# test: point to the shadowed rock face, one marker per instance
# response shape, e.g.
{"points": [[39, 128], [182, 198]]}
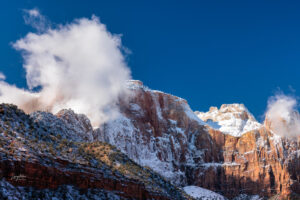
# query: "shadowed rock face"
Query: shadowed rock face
{"points": [[160, 131], [256, 163]]}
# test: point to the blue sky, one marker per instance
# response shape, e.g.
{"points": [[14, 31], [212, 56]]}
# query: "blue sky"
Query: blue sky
{"points": [[208, 52]]}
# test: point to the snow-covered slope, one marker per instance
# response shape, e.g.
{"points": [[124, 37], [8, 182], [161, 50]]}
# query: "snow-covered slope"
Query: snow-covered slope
{"points": [[232, 119], [203, 194]]}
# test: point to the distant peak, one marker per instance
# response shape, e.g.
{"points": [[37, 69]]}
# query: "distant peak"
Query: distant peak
{"points": [[233, 119]]}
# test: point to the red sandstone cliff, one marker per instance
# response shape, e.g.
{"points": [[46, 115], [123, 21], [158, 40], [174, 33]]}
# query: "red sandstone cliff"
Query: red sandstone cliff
{"points": [[160, 131]]}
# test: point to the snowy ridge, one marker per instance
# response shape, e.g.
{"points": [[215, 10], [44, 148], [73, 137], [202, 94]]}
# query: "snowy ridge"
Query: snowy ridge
{"points": [[66, 123], [232, 119]]}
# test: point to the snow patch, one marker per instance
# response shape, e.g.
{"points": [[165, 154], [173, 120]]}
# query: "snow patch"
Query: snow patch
{"points": [[203, 194]]}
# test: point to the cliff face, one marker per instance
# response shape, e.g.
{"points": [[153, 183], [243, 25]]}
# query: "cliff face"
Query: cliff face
{"points": [[226, 151], [258, 162], [160, 131]]}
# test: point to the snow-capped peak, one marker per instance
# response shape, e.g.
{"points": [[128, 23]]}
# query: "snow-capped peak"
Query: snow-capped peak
{"points": [[232, 119]]}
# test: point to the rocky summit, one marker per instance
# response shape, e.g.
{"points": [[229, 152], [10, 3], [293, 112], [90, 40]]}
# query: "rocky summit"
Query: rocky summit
{"points": [[156, 148]]}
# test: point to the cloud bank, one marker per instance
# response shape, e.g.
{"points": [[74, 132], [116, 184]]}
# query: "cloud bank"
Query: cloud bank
{"points": [[79, 65], [282, 115]]}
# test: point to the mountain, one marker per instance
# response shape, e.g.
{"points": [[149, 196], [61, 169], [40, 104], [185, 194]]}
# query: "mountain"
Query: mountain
{"points": [[156, 148], [225, 150]]}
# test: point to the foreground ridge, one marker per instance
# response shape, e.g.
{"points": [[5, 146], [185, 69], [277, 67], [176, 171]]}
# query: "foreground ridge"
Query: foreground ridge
{"points": [[55, 156]]}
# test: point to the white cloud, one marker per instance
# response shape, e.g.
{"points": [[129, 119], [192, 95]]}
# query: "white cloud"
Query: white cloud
{"points": [[2, 76], [34, 18], [283, 116], [34, 12], [77, 65]]}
